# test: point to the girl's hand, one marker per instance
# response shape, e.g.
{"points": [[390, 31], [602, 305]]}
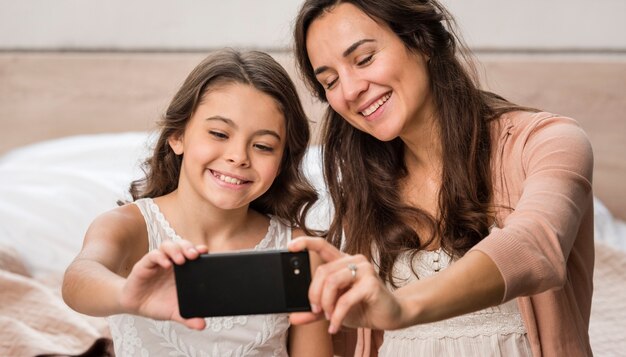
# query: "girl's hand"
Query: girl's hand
{"points": [[347, 290], [150, 289]]}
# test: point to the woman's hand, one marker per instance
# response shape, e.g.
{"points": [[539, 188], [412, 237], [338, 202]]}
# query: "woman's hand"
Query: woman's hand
{"points": [[347, 290], [150, 289]]}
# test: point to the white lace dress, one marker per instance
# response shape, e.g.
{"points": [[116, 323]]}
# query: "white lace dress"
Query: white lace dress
{"points": [[495, 331], [232, 336]]}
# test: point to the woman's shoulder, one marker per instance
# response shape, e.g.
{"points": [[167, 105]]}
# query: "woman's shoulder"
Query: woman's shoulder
{"points": [[520, 122]]}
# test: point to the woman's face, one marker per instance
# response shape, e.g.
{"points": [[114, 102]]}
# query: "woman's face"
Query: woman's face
{"points": [[372, 80]]}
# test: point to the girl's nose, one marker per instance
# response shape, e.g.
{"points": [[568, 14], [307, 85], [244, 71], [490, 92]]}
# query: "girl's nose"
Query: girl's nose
{"points": [[238, 156]]}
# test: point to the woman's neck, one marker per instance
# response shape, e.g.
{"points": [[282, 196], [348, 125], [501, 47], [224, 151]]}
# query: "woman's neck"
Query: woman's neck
{"points": [[422, 142]]}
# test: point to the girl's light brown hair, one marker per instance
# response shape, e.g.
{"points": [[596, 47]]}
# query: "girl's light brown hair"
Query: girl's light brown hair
{"points": [[290, 195], [363, 174]]}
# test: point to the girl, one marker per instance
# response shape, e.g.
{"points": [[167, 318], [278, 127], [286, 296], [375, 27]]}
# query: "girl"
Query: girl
{"points": [[225, 175], [468, 219]]}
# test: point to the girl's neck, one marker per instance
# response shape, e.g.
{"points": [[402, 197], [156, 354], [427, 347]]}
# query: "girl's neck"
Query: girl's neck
{"points": [[218, 229]]}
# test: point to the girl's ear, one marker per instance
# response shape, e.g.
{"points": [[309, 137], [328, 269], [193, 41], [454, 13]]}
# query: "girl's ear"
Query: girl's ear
{"points": [[176, 143]]}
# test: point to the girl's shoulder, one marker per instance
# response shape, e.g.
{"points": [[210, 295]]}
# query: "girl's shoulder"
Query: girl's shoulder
{"points": [[121, 222]]}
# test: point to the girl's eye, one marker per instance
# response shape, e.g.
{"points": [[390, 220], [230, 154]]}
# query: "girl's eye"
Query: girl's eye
{"points": [[264, 147], [365, 60], [218, 134]]}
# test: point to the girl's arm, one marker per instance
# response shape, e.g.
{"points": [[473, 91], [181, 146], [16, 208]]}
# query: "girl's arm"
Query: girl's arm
{"points": [[114, 242], [114, 272], [310, 339]]}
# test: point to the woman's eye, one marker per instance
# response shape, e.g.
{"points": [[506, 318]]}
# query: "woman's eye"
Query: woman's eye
{"points": [[365, 60], [218, 135], [330, 84]]}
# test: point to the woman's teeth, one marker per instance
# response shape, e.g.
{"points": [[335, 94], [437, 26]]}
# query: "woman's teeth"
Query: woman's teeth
{"points": [[372, 108]]}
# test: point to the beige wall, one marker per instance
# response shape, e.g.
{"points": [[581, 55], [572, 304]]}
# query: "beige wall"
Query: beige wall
{"points": [[206, 24]]}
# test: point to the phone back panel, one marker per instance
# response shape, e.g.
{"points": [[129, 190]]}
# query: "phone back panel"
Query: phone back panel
{"points": [[243, 283]]}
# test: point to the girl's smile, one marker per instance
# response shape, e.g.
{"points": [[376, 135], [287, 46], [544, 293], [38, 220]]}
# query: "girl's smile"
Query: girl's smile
{"points": [[232, 147]]}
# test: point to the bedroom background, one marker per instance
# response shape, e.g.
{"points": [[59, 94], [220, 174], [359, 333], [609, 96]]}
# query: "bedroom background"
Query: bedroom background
{"points": [[82, 83]]}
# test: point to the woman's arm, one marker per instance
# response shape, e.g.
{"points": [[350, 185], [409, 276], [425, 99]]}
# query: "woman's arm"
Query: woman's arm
{"points": [[472, 283]]}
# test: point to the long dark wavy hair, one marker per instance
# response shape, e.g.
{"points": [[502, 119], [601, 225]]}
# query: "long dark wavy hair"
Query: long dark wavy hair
{"points": [[363, 174], [290, 196]]}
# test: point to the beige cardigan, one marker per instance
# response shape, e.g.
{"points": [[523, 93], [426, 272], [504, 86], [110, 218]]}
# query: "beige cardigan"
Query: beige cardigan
{"points": [[543, 246]]}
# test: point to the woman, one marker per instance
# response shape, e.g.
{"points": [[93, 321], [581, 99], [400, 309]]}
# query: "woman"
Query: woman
{"points": [[467, 219]]}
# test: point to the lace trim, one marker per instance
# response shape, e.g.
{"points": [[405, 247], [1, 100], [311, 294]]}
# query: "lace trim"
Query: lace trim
{"points": [[503, 319], [165, 225], [272, 231], [217, 324], [171, 233], [489, 322]]}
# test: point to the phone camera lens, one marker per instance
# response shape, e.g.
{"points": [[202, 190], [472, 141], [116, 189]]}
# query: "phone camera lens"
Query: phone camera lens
{"points": [[295, 262]]}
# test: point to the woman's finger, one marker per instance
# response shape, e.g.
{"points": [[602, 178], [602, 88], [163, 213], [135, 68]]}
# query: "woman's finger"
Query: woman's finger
{"points": [[325, 250], [343, 276]]}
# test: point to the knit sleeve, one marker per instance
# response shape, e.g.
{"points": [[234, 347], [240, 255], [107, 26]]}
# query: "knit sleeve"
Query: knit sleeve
{"points": [[554, 161]]}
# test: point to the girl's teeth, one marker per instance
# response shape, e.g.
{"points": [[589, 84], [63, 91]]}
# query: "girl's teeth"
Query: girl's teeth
{"points": [[231, 180]]}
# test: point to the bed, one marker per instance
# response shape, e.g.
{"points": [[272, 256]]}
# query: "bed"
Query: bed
{"points": [[54, 181]]}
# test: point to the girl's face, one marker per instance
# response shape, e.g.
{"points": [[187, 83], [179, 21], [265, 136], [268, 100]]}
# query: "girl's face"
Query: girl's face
{"points": [[372, 80], [232, 145]]}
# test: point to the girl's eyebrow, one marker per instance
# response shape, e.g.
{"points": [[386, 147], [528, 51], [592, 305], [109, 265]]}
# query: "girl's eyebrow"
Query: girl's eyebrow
{"points": [[346, 53], [231, 123]]}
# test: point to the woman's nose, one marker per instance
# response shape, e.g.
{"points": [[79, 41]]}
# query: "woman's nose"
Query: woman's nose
{"points": [[352, 86]]}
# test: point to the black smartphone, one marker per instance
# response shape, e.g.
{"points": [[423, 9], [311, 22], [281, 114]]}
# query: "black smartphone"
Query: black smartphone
{"points": [[243, 283]]}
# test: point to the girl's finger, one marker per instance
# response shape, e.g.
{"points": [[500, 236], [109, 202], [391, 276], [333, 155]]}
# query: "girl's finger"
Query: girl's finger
{"points": [[174, 251], [188, 249], [155, 258], [300, 318], [202, 249], [195, 323]]}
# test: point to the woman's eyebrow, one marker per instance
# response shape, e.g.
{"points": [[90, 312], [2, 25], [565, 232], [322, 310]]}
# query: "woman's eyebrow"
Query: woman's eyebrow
{"points": [[346, 53], [356, 45]]}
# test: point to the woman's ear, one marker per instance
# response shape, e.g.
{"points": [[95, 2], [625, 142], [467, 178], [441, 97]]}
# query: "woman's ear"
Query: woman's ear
{"points": [[176, 143]]}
